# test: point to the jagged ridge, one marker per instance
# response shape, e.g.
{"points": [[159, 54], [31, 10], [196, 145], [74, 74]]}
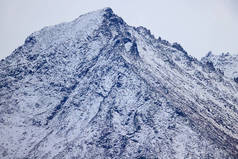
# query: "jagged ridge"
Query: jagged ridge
{"points": [[99, 88]]}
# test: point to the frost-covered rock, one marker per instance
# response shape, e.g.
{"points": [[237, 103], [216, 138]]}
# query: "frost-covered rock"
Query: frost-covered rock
{"points": [[99, 88], [226, 63]]}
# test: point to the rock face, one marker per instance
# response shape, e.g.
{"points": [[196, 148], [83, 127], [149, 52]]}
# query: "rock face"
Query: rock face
{"points": [[226, 63], [99, 88]]}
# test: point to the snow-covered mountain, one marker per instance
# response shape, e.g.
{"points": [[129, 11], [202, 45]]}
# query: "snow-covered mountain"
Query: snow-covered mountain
{"points": [[226, 63], [99, 88]]}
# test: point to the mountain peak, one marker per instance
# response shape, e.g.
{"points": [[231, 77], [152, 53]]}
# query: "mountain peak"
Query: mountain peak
{"points": [[99, 88], [108, 10], [225, 62], [78, 29]]}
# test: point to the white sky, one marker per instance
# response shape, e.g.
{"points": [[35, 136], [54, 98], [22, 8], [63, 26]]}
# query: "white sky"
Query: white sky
{"points": [[198, 25]]}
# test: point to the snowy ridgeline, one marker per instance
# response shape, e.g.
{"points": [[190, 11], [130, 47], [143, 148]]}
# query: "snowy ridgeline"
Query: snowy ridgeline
{"points": [[226, 63], [99, 88]]}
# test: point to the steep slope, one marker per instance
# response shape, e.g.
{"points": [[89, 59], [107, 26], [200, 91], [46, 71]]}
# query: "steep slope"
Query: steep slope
{"points": [[98, 88]]}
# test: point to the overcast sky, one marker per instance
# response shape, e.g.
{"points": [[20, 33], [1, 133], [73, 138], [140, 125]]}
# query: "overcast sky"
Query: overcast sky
{"points": [[198, 25]]}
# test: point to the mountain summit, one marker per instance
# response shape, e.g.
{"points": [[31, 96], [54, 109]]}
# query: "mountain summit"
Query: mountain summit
{"points": [[99, 88]]}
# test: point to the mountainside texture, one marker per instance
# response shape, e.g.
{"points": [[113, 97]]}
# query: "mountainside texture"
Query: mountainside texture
{"points": [[226, 63], [99, 88]]}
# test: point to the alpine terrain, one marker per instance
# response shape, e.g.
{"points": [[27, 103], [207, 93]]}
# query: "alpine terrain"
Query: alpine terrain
{"points": [[98, 88]]}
